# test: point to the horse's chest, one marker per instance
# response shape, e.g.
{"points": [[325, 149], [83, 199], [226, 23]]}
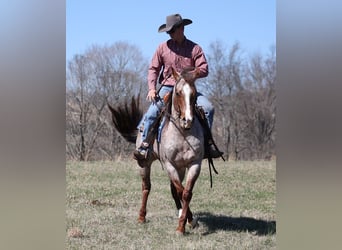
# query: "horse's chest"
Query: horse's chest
{"points": [[189, 148], [182, 146]]}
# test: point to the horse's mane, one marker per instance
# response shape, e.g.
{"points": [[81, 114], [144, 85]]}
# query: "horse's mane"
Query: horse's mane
{"points": [[185, 71], [168, 107]]}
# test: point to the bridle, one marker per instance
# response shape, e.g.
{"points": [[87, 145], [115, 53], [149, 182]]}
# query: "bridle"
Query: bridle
{"points": [[176, 105]]}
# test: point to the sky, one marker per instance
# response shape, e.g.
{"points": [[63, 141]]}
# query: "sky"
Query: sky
{"points": [[251, 23]]}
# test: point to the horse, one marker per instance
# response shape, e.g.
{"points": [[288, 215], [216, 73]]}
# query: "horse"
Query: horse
{"points": [[180, 147]]}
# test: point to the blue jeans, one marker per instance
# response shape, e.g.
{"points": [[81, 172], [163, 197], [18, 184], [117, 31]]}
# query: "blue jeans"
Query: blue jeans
{"points": [[154, 110]]}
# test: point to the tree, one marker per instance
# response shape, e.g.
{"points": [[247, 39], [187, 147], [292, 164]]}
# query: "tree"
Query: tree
{"points": [[223, 82], [243, 93], [260, 110], [103, 74]]}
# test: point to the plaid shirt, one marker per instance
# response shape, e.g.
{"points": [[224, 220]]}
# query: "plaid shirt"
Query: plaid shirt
{"points": [[170, 54]]}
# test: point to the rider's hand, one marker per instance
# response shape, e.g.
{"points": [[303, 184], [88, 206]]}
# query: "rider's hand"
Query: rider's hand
{"points": [[151, 96]]}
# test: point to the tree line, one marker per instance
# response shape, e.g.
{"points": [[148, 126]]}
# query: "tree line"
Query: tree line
{"points": [[241, 88]]}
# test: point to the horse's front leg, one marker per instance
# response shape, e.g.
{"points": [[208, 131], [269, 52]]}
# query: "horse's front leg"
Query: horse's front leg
{"points": [[146, 187], [176, 197], [193, 174]]}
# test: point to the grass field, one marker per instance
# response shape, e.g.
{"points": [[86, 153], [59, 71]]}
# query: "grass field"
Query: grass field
{"points": [[103, 200]]}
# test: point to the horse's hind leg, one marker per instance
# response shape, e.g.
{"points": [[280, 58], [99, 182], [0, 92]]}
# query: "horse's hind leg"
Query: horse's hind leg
{"points": [[146, 187]]}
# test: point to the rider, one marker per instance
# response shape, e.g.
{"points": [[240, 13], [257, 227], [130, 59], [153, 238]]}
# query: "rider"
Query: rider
{"points": [[179, 53]]}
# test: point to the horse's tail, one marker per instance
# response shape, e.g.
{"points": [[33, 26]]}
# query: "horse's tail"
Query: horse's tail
{"points": [[126, 118]]}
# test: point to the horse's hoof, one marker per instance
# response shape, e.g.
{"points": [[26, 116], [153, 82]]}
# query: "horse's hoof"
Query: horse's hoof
{"points": [[141, 220], [179, 232], [194, 223]]}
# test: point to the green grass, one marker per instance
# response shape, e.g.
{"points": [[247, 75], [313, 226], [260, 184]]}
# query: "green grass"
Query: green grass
{"points": [[103, 200]]}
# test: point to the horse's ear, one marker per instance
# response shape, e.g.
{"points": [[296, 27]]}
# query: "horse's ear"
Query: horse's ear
{"points": [[175, 74]]}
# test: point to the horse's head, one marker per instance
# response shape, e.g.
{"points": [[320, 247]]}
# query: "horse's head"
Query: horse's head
{"points": [[184, 98]]}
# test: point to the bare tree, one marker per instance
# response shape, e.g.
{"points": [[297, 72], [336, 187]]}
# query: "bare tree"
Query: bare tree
{"points": [[78, 105], [242, 92], [101, 75], [223, 82], [255, 109], [261, 108]]}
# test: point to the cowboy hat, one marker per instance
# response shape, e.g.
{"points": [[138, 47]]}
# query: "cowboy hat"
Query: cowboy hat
{"points": [[172, 21]]}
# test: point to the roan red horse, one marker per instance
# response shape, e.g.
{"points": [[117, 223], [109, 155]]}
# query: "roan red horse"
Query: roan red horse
{"points": [[180, 148]]}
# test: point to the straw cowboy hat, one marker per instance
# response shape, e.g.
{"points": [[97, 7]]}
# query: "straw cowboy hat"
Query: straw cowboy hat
{"points": [[172, 21]]}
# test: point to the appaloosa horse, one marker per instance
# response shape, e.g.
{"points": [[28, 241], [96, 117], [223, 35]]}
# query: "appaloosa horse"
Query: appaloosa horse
{"points": [[180, 148]]}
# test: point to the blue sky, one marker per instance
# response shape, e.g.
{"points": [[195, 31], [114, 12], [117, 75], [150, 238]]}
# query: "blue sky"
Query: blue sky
{"points": [[251, 23]]}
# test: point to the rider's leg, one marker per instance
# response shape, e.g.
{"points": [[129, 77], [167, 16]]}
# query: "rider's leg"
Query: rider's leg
{"points": [[148, 124], [208, 108], [209, 111]]}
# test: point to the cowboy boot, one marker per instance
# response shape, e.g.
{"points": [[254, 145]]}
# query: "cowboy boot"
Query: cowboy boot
{"points": [[210, 150], [142, 152]]}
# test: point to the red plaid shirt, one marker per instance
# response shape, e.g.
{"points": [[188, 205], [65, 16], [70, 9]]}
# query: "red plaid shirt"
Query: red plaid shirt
{"points": [[170, 54]]}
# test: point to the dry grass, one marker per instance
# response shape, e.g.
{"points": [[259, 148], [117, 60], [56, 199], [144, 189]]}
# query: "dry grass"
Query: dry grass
{"points": [[103, 199]]}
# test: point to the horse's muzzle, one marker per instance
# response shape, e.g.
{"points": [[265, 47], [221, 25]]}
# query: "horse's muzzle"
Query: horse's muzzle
{"points": [[186, 123]]}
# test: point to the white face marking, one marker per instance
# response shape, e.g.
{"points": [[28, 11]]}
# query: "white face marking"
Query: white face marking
{"points": [[187, 95]]}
